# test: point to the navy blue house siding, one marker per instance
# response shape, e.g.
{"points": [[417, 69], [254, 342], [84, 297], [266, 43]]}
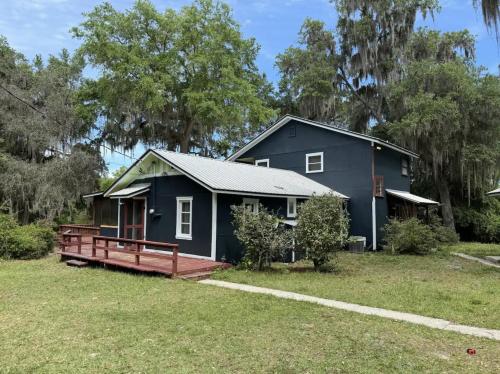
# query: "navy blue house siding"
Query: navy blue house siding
{"points": [[228, 247], [161, 225], [388, 164], [347, 164]]}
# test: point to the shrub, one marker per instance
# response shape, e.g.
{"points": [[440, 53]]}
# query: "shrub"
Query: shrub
{"points": [[412, 236], [479, 222], [322, 228], [24, 242], [409, 237], [260, 234]]}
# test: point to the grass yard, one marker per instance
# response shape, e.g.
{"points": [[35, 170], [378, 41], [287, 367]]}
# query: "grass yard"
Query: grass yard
{"points": [[475, 249], [59, 319], [437, 285]]}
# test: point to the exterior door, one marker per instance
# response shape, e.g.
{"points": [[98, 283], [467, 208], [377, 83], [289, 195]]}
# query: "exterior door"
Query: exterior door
{"points": [[133, 219]]}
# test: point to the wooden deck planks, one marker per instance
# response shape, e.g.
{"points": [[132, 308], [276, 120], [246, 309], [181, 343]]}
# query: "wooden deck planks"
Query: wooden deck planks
{"points": [[185, 265]]}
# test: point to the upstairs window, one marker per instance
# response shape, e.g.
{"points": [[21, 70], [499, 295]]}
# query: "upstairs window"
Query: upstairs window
{"points": [[291, 210], [251, 204], [264, 162], [184, 218], [404, 166], [314, 162], [378, 186]]}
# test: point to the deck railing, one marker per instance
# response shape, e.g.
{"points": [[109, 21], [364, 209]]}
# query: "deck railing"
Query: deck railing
{"points": [[80, 229], [135, 248], [132, 247]]}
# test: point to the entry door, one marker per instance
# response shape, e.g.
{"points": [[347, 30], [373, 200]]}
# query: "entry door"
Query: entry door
{"points": [[134, 219]]}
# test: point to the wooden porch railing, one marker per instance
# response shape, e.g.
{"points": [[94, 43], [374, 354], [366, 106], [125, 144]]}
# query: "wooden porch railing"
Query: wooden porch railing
{"points": [[80, 229], [135, 248]]}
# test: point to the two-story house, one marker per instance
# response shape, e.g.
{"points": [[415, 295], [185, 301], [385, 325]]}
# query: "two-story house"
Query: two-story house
{"points": [[171, 197]]}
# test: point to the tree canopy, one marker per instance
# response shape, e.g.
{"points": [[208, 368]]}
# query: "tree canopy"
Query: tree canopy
{"points": [[184, 79], [44, 165]]}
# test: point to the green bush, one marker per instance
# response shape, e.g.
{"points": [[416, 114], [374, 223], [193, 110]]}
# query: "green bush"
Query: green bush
{"points": [[479, 222], [24, 242], [260, 234], [322, 228], [409, 237], [412, 236]]}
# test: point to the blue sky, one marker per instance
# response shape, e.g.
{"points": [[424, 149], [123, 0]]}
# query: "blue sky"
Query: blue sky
{"points": [[41, 26]]}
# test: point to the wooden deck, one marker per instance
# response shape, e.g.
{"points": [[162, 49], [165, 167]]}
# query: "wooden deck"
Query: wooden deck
{"points": [[107, 253]]}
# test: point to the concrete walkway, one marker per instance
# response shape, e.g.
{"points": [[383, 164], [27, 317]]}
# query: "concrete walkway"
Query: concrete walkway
{"points": [[472, 258], [434, 323]]}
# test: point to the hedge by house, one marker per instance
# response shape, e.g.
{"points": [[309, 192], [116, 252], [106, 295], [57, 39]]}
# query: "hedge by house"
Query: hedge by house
{"points": [[24, 242], [412, 236]]}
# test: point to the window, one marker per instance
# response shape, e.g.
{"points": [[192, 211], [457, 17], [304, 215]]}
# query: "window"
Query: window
{"points": [[291, 210], [251, 204], [184, 218], [314, 162], [264, 162], [404, 166], [378, 186]]}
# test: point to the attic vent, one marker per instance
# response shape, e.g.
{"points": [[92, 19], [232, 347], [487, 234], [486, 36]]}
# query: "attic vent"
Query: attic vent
{"points": [[292, 131]]}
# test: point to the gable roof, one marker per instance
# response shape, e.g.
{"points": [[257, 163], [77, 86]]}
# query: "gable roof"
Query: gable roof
{"points": [[287, 118], [227, 176], [236, 178]]}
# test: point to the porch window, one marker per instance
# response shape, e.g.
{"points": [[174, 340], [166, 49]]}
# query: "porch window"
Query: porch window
{"points": [[184, 218], [404, 166], [264, 162], [251, 204], [314, 162], [378, 186], [291, 207]]}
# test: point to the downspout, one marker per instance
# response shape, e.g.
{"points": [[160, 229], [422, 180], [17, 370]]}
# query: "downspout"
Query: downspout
{"points": [[374, 202]]}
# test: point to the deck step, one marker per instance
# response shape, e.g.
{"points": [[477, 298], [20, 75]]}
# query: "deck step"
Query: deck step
{"points": [[77, 263], [196, 276]]}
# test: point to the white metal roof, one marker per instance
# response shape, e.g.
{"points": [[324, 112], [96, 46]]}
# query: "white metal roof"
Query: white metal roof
{"points": [[494, 192], [411, 197], [93, 194], [233, 177], [287, 118], [131, 191]]}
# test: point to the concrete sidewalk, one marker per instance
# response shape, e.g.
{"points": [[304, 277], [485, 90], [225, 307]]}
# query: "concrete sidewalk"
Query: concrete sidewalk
{"points": [[434, 323]]}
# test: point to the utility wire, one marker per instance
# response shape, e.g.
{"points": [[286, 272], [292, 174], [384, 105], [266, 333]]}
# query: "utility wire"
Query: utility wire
{"points": [[44, 115]]}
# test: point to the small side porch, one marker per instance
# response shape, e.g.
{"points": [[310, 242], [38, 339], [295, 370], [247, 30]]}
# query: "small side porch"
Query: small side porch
{"points": [[85, 244]]}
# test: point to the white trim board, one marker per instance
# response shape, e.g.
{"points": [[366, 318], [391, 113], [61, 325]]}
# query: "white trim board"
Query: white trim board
{"points": [[287, 118]]}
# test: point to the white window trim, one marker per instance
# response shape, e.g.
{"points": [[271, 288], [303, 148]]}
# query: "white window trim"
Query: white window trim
{"points": [[307, 162], [264, 160], [254, 202], [178, 232], [294, 213], [404, 160]]}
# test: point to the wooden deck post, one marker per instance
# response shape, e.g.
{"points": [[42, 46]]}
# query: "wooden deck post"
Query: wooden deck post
{"points": [[137, 259], [175, 253], [79, 243], [94, 244]]}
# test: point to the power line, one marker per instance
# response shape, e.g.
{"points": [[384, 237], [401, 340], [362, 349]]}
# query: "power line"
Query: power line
{"points": [[44, 115]]}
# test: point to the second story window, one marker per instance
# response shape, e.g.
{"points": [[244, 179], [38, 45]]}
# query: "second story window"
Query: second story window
{"points": [[264, 162], [378, 186], [404, 166], [314, 162]]}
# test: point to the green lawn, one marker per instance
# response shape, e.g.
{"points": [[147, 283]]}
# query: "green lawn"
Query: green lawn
{"points": [[59, 319], [437, 285], [475, 249]]}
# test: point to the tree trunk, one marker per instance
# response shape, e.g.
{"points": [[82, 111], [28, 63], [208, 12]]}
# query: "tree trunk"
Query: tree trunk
{"points": [[444, 196], [186, 137]]}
